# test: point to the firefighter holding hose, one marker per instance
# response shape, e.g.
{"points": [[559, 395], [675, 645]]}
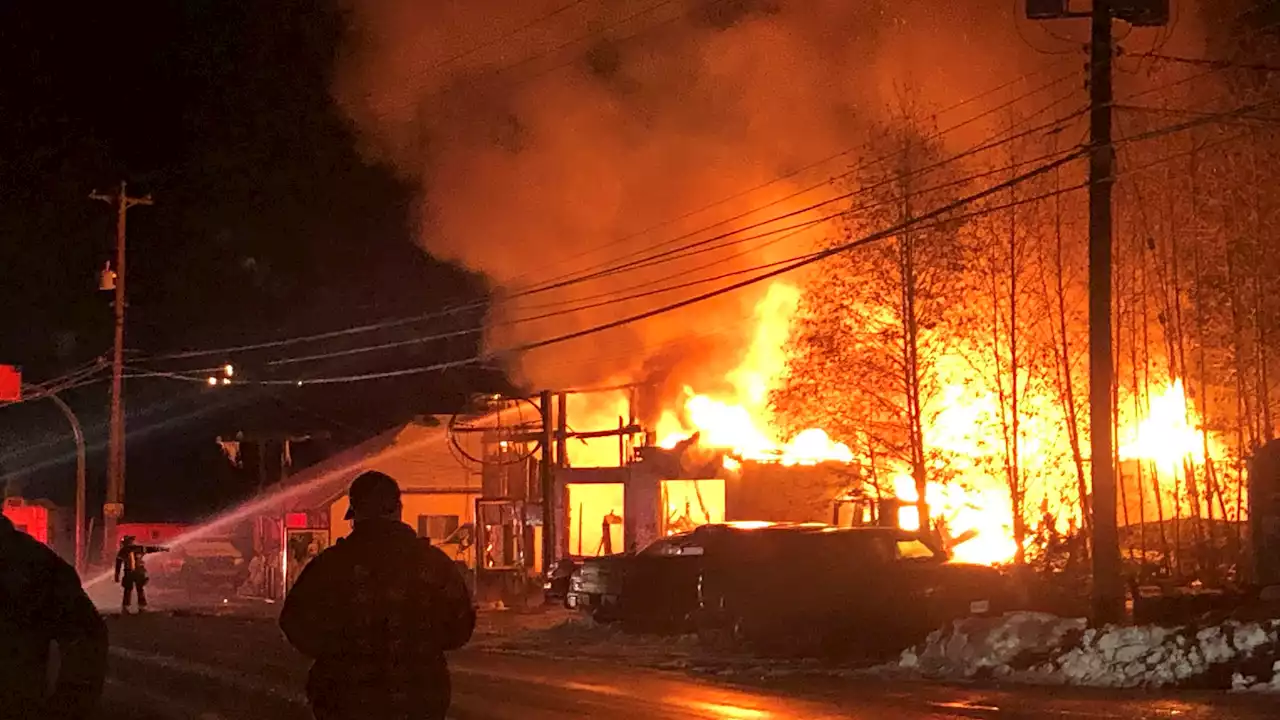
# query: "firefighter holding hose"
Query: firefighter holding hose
{"points": [[131, 571]]}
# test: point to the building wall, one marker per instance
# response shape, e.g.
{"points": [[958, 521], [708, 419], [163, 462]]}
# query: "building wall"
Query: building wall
{"points": [[417, 505], [421, 457], [778, 493]]}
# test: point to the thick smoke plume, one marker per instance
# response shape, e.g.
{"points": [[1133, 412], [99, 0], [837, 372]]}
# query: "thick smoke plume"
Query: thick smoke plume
{"points": [[548, 150]]}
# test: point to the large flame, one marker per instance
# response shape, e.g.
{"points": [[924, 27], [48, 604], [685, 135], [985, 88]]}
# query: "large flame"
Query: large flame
{"points": [[963, 428], [741, 421], [1169, 435]]}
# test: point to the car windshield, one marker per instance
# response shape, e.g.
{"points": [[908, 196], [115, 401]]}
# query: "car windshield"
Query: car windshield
{"points": [[912, 549], [677, 545]]}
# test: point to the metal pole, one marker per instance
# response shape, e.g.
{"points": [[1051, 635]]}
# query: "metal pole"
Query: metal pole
{"points": [[562, 430], [548, 481], [1108, 589], [78, 433]]}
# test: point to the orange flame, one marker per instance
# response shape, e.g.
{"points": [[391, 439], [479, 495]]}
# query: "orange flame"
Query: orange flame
{"points": [[963, 431], [742, 421], [1169, 434]]}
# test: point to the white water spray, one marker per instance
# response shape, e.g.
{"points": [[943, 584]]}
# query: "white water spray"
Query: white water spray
{"points": [[268, 502]]}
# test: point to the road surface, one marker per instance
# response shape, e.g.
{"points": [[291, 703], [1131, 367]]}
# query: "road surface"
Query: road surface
{"points": [[170, 667]]}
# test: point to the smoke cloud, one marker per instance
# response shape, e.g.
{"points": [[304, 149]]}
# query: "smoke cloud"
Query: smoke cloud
{"points": [[544, 149]]}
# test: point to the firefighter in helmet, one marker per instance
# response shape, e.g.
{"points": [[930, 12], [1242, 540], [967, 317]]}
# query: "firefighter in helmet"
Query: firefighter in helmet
{"points": [[376, 612], [42, 603], [131, 571]]}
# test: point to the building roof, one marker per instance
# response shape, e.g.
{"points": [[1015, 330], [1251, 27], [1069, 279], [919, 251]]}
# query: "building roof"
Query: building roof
{"points": [[417, 455]]}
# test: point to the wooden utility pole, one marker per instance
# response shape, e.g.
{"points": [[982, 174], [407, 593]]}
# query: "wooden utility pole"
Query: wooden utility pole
{"points": [[113, 507], [1108, 584], [1108, 592]]}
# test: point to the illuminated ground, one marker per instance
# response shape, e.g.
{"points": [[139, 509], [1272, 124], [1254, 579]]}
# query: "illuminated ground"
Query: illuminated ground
{"points": [[191, 666]]}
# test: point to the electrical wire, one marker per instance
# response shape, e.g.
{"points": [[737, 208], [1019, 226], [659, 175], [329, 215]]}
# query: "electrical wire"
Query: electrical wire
{"points": [[648, 260], [70, 380], [794, 264], [397, 322], [781, 233], [1162, 131], [507, 36], [843, 153], [801, 261]]}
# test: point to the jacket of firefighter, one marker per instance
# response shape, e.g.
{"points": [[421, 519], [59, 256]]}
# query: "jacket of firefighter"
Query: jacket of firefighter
{"points": [[130, 562], [376, 612], [42, 602]]}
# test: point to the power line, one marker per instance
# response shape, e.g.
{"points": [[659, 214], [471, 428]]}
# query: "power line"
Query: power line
{"points": [[67, 381], [789, 266], [507, 35], [845, 152], [795, 263], [699, 247], [1212, 63], [1155, 133], [387, 324]]}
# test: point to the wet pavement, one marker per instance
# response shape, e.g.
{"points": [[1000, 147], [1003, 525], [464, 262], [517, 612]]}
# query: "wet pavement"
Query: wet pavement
{"points": [[210, 667]]}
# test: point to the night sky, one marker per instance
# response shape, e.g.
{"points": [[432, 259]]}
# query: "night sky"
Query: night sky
{"points": [[266, 224]]}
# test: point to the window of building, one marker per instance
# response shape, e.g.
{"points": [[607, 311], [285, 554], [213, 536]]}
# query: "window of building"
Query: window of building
{"points": [[437, 527]]}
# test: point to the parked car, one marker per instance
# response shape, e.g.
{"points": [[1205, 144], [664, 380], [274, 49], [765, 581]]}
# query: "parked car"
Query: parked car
{"points": [[595, 586], [656, 589], [211, 564], [779, 586], [556, 584], [839, 590]]}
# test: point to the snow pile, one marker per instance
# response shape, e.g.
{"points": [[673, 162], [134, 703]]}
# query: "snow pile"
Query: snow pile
{"points": [[995, 645], [1252, 683], [1032, 647]]}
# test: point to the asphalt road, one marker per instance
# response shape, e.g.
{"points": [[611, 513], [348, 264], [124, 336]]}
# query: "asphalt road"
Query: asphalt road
{"points": [[166, 667]]}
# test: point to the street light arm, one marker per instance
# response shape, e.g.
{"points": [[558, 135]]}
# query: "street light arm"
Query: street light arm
{"points": [[78, 432]]}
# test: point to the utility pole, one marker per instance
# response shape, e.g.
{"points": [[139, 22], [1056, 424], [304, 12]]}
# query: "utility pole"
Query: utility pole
{"points": [[1108, 584], [113, 507], [1108, 591], [546, 477]]}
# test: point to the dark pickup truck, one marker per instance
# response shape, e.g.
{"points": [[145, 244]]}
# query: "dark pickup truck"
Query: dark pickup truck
{"points": [[810, 587], [838, 589], [654, 589]]}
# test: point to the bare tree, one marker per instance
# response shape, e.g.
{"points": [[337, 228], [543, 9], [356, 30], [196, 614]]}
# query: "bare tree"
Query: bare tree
{"points": [[872, 322]]}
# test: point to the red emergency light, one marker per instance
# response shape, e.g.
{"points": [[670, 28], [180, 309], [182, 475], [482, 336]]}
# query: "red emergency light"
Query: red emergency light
{"points": [[31, 519], [295, 521], [10, 383]]}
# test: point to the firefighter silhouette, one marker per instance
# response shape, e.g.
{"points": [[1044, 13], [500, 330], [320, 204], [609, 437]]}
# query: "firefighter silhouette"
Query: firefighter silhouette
{"points": [[606, 533], [42, 605], [131, 571], [377, 612]]}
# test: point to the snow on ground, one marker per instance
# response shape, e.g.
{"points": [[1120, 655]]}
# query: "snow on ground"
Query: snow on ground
{"points": [[571, 635], [558, 634], [1039, 648]]}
